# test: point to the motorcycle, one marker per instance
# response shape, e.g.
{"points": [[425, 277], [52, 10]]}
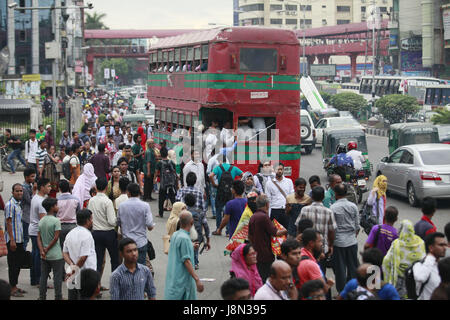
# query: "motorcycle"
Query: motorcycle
{"points": [[356, 181], [359, 180], [4, 161]]}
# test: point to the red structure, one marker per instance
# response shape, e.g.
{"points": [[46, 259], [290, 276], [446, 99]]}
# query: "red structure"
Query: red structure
{"points": [[351, 40]]}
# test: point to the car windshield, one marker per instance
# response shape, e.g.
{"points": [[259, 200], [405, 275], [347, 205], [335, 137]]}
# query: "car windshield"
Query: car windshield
{"points": [[343, 122], [305, 120], [435, 157]]}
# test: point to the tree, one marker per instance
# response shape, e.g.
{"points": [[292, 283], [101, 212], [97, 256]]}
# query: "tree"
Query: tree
{"points": [[348, 101], [325, 96], [396, 107], [94, 21], [442, 117], [118, 64]]}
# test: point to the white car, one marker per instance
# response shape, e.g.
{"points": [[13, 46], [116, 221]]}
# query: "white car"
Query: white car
{"points": [[335, 122]]}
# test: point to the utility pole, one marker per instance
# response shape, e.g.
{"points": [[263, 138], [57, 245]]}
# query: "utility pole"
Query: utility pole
{"points": [[374, 19]]}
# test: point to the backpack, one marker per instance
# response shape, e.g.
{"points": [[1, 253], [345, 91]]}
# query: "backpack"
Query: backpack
{"points": [[261, 181], [225, 184], [168, 178], [66, 169], [367, 220], [410, 282]]}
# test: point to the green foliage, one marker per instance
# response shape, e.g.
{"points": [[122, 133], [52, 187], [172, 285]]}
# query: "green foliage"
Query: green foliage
{"points": [[94, 21], [442, 117], [326, 96], [119, 64], [348, 101], [395, 107]]}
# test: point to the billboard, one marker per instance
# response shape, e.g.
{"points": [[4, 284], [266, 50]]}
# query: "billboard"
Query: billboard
{"points": [[323, 70]]}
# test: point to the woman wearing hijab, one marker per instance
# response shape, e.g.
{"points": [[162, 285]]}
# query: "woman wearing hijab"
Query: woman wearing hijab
{"points": [[249, 184], [84, 183], [403, 252], [377, 198], [243, 265]]}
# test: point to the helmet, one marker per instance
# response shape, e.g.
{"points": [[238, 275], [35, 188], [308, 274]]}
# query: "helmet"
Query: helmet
{"points": [[341, 148], [352, 145]]}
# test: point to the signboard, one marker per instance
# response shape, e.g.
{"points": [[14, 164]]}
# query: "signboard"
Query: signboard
{"points": [[106, 73], [113, 73], [412, 64], [78, 66], [411, 44], [446, 22], [31, 77], [323, 70]]}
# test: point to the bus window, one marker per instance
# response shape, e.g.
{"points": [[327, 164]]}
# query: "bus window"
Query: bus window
{"points": [[197, 58], [396, 86], [438, 96], [258, 60], [171, 61], [190, 59], [445, 96], [256, 128], [165, 69], [183, 58], [177, 60], [205, 55], [160, 59]]}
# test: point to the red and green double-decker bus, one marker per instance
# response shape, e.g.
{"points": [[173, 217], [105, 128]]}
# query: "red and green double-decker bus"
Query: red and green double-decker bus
{"points": [[237, 75]]}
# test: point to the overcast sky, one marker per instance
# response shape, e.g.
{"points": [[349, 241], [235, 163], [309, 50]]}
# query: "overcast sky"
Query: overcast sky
{"points": [[163, 14]]}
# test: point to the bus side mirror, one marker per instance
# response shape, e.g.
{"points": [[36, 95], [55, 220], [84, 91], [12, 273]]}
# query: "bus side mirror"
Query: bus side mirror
{"points": [[233, 61], [283, 63]]}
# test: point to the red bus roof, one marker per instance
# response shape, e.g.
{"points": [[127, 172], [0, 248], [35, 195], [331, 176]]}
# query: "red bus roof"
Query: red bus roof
{"points": [[234, 34]]}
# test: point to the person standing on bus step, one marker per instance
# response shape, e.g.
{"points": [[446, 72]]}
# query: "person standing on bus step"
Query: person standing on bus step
{"points": [[195, 166], [31, 147], [277, 190], [169, 180], [225, 173]]}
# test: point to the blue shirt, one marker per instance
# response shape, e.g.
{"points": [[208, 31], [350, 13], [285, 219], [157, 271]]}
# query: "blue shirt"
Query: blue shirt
{"points": [[387, 292], [234, 208], [133, 217], [14, 211], [234, 172], [342, 159], [125, 285]]}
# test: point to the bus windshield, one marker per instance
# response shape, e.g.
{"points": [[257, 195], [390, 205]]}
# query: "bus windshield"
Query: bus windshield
{"points": [[258, 60]]}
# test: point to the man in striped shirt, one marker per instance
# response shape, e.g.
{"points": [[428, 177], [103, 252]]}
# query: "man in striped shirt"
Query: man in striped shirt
{"points": [[40, 158], [200, 203], [131, 280], [14, 238]]}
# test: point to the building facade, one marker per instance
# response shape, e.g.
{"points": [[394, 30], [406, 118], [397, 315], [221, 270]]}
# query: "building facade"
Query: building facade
{"points": [[299, 14]]}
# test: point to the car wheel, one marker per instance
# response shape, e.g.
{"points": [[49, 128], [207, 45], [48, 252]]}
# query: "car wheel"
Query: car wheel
{"points": [[305, 131], [412, 197], [308, 149]]}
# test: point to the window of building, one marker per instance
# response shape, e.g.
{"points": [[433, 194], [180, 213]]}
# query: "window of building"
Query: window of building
{"points": [[253, 7], [305, 7], [22, 36], [305, 21], [363, 9], [343, 21], [383, 9], [343, 8], [291, 7], [276, 7], [291, 21], [258, 60], [276, 21], [324, 22]]}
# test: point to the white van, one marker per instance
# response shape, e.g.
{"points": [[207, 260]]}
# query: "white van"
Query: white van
{"points": [[307, 132]]}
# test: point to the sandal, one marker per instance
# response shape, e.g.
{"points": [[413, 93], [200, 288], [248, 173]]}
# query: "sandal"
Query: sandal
{"points": [[17, 294], [215, 233], [21, 290]]}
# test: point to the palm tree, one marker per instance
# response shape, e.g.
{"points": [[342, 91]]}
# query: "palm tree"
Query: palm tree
{"points": [[94, 21], [442, 117]]}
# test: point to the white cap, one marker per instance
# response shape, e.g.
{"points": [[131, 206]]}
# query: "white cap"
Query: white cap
{"points": [[48, 126]]}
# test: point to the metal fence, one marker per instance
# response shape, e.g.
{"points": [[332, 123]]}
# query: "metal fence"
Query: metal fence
{"points": [[15, 116]]}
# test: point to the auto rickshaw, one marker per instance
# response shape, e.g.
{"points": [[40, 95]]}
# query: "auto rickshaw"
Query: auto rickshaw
{"points": [[332, 137], [401, 134]]}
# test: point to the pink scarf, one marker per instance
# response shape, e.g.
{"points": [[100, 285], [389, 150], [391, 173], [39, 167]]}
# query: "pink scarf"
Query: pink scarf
{"points": [[241, 270]]}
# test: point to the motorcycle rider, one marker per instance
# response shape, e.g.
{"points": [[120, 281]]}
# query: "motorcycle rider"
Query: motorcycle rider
{"points": [[341, 160], [357, 156]]}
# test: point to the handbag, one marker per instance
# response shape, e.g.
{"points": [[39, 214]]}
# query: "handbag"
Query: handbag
{"points": [[166, 243], [3, 247], [26, 260], [150, 250]]}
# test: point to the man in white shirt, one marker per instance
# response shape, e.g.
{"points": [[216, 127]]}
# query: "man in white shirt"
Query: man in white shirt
{"points": [[227, 135], [210, 139], [196, 166], [277, 190], [104, 223], [357, 156], [426, 272], [31, 147], [79, 250], [279, 285]]}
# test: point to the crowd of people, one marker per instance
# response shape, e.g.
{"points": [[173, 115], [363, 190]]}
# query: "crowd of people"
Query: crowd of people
{"points": [[90, 193]]}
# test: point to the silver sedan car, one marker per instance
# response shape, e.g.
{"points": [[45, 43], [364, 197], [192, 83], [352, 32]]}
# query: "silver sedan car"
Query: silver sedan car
{"points": [[418, 171]]}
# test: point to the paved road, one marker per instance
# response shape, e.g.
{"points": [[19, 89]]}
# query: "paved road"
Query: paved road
{"points": [[214, 264]]}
